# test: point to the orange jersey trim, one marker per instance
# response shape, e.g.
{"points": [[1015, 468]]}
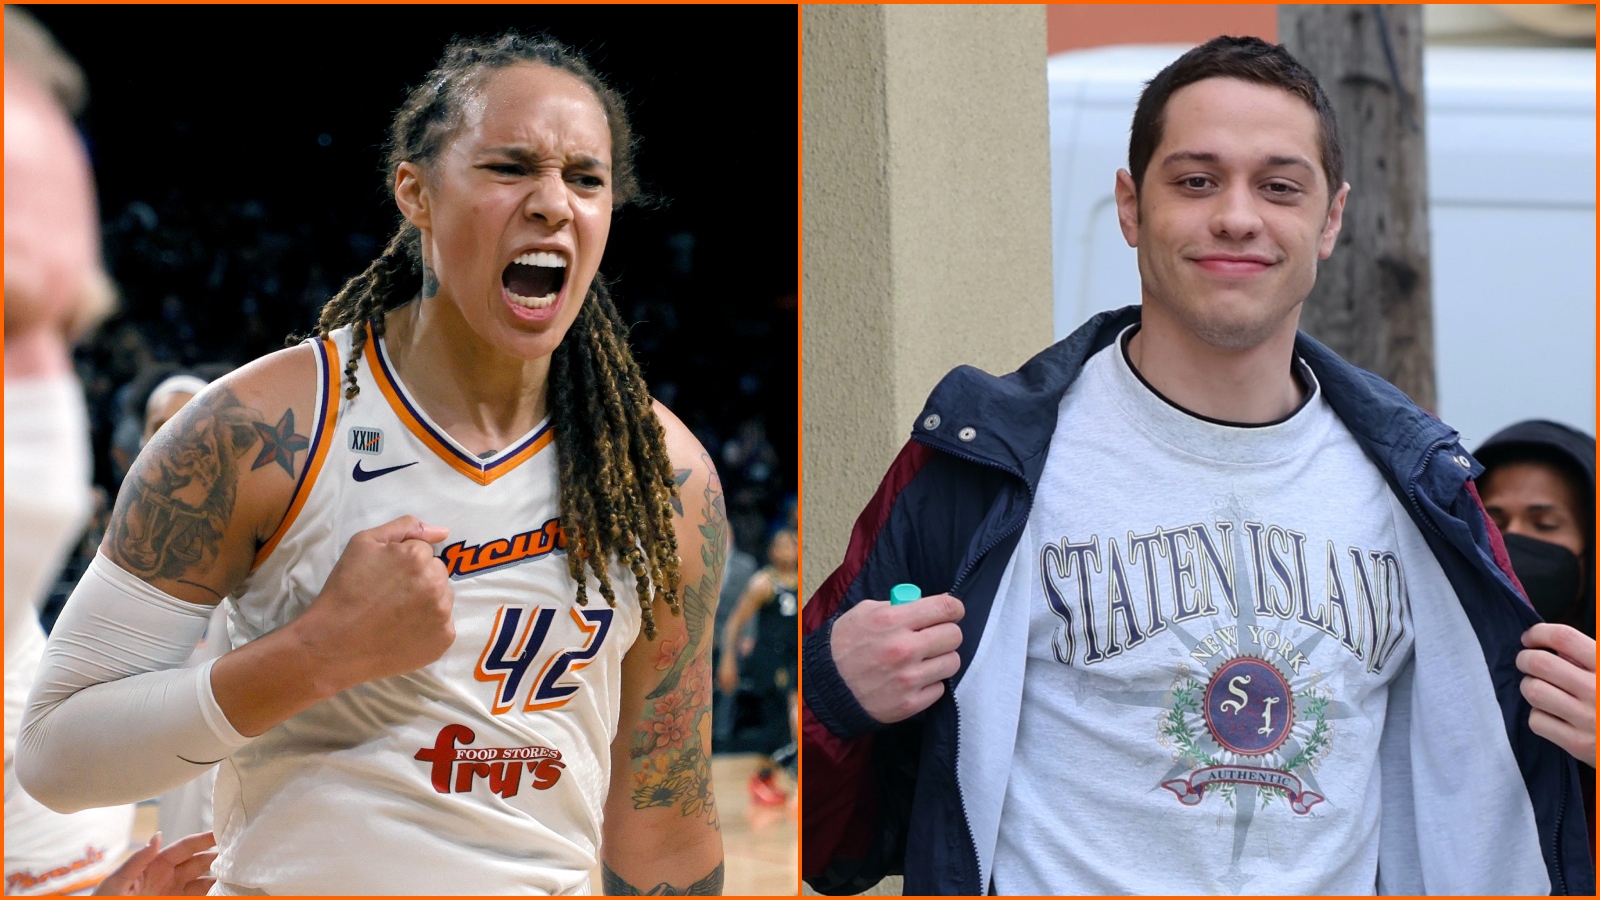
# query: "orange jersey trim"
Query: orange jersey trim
{"points": [[321, 440], [442, 448]]}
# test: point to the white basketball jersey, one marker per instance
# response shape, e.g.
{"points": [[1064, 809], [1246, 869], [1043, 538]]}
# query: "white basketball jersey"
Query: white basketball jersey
{"points": [[483, 773]]}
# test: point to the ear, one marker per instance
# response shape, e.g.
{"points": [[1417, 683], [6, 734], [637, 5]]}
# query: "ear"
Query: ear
{"points": [[1127, 196], [411, 195], [1330, 229]]}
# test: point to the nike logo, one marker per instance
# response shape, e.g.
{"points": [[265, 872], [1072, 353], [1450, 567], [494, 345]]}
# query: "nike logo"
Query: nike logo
{"points": [[361, 474]]}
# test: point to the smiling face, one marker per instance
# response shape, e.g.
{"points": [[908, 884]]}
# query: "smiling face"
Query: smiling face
{"points": [[515, 211], [1233, 214]]}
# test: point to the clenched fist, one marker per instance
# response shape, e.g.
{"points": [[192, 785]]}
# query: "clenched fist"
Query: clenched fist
{"points": [[895, 659], [385, 609]]}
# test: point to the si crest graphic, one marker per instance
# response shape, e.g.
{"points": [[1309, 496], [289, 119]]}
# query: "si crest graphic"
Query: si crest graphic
{"points": [[1240, 701], [1238, 727]]}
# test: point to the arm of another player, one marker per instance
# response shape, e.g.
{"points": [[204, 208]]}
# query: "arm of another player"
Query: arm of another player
{"points": [[758, 591], [662, 835]]}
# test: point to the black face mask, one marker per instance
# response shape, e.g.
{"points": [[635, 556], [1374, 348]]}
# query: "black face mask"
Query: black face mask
{"points": [[1550, 573]]}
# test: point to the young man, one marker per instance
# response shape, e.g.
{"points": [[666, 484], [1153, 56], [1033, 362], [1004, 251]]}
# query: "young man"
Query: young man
{"points": [[1538, 487], [1220, 592]]}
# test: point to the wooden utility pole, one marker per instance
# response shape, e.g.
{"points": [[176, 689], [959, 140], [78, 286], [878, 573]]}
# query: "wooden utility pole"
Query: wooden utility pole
{"points": [[1373, 299]]}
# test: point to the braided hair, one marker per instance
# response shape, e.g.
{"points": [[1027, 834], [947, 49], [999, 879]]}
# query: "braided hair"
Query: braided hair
{"points": [[616, 481]]}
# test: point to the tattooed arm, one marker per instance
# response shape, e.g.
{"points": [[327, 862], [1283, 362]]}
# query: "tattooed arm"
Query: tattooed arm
{"points": [[215, 481], [661, 830], [210, 490], [115, 715]]}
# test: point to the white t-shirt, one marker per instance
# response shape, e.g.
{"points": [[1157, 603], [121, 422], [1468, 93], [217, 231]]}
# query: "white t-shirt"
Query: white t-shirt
{"points": [[1219, 612]]}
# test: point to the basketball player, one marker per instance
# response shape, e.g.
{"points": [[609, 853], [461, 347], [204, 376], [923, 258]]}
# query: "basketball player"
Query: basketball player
{"points": [[1231, 617], [469, 564], [171, 395], [772, 597]]}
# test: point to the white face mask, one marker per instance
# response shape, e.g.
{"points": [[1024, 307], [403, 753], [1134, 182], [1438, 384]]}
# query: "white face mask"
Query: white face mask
{"points": [[47, 485]]}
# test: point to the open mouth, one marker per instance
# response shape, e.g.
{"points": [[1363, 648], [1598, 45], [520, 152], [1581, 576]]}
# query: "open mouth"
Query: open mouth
{"points": [[534, 279]]}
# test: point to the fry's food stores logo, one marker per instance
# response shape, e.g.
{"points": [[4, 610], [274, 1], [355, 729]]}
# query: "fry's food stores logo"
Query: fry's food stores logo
{"points": [[503, 767]]}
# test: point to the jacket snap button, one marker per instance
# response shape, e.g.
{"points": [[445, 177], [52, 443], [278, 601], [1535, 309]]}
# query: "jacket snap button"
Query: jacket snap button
{"points": [[931, 422], [1463, 462], [967, 434]]}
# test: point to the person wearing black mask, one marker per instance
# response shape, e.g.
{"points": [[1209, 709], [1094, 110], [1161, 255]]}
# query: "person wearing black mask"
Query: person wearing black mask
{"points": [[1538, 487]]}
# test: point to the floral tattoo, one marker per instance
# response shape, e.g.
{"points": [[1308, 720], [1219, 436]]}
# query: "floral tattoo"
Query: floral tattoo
{"points": [[670, 763]]}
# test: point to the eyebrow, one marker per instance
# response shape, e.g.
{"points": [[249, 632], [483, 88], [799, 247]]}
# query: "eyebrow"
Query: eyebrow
{"points": [[1214, 159], [527, 155], [1532, 507]]}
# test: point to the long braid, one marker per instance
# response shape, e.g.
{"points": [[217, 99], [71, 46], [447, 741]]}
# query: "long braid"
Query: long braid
{"points": [[616, 480], [391, 281], [618, 496]]}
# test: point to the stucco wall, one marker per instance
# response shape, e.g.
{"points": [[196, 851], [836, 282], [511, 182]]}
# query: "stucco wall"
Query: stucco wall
{"points": [[926, 226]]}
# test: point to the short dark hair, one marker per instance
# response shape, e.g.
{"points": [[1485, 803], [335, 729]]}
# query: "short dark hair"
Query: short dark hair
{"points": [[1247, 59], [1558, 459]]}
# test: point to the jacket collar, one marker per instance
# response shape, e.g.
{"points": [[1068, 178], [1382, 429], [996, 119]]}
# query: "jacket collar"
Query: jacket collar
{"points": [[1007, 421]]}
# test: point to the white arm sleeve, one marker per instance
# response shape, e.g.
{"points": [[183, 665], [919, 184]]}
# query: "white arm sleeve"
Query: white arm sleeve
{"points": [[111, 718]]}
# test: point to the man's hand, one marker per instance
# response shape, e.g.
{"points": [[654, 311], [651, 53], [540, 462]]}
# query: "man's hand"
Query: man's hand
{"points": [[894, 659], [184, 869], [385, 609], [1560, 685]]}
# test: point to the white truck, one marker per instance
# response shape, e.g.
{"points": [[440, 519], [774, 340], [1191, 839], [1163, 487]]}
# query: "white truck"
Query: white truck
{"points": [[1511, 189]]}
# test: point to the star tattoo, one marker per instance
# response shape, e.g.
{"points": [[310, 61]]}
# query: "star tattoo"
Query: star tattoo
{"points": [[279, 443], [679, 476]]}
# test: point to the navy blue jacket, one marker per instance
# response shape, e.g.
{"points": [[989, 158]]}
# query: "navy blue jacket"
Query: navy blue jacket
{"points": [[883, 800]]}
